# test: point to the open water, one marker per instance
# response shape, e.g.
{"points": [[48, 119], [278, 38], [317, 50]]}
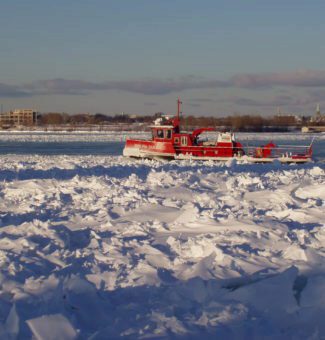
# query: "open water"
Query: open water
{"points": [[62, 148]]}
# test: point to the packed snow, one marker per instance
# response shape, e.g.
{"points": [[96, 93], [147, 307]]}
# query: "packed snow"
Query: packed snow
{"points": [[107, 247]]}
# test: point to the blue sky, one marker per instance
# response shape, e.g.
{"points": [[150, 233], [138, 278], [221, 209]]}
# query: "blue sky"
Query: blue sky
{"points": [[137, 56]]}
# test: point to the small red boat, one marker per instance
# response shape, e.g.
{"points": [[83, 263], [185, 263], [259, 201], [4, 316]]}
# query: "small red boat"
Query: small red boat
{"points": [[168, 141]]}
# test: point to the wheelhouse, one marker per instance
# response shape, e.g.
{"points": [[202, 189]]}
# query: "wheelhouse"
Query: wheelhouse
{"points": [[161, 133]]}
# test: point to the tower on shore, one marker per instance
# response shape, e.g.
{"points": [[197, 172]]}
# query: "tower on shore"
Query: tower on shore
{"points": [[318, 114]]}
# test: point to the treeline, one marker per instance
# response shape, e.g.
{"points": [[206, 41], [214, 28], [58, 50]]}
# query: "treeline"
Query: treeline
{"points": [[247, 122], [234, 122], [54, 118]]}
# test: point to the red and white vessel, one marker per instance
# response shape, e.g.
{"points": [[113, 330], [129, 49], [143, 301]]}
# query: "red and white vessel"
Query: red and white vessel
{"points": [[168, 141]]}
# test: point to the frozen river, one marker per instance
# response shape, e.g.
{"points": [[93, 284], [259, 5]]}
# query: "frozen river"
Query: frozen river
{"points": [[106, 247], [98, 246]]}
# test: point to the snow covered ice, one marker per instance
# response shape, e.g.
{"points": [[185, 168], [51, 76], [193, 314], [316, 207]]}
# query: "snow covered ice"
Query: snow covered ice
{"points": [[108, 247]]}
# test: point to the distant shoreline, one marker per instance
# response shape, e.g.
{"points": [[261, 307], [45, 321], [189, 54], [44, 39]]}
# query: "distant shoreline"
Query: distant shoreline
{"points": [[137, 129]]}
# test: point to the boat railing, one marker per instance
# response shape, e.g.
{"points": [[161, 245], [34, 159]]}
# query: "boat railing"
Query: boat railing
{"points": [[280, 150], [257, 151]]}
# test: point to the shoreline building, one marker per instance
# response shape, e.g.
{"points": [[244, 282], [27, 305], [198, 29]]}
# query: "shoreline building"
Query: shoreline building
{"points": [[318, 117], [316, 123], [286, 119], [19, 117]]}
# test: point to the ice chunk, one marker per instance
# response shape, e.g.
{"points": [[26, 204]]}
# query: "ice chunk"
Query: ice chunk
{"points": [[52, 327], [12, 322]]}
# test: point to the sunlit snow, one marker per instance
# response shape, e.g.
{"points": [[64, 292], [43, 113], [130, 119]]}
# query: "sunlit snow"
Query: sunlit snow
{"points": [[107, 247]]}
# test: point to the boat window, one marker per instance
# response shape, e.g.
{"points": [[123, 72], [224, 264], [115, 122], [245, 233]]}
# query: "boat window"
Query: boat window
{"points": [[168, 134], [176, 140], [160, 133], [184, 140]]}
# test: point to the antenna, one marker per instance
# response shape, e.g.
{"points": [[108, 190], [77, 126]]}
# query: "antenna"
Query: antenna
{"points": [[179, 103]]}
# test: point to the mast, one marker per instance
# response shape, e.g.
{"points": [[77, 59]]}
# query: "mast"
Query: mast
{"points": [[179, 103]]}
